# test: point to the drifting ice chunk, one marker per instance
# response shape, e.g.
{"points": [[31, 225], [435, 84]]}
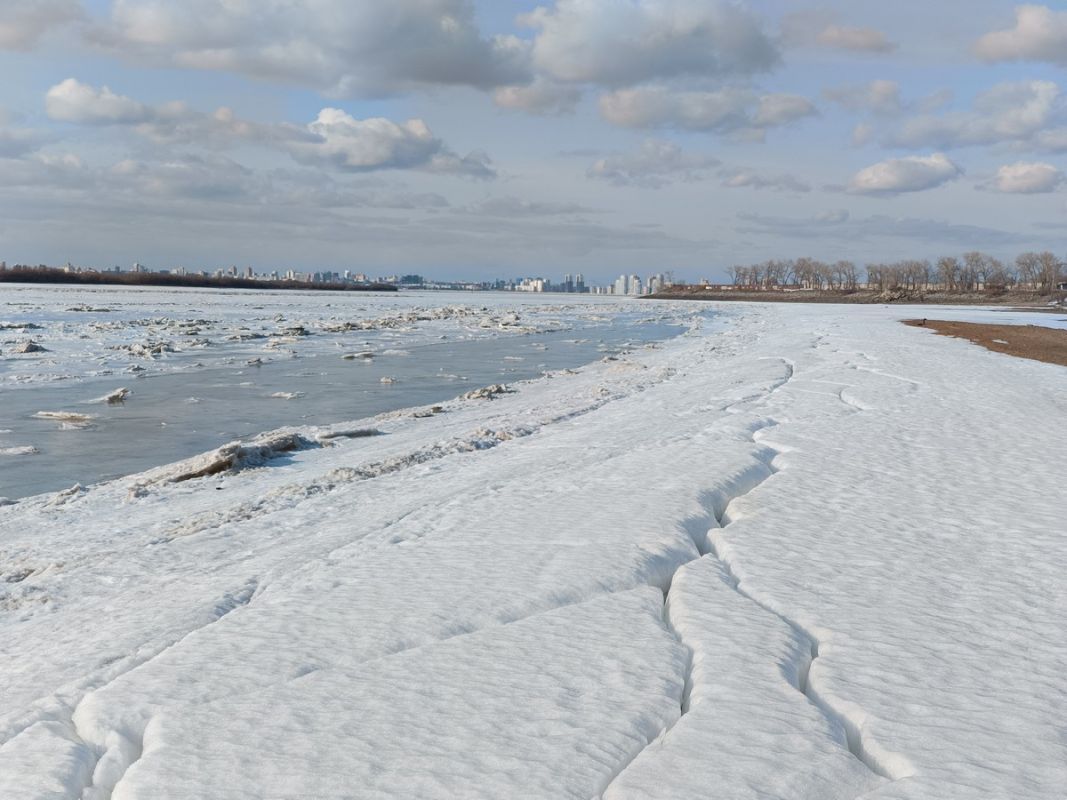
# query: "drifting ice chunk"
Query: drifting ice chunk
{"points": [[114, 398], [29, 346], [487, 392], [232, 457]]}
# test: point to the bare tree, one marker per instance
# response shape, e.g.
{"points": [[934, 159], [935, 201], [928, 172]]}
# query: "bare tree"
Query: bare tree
{"points": [[1050, 269], [948, 272], [1029, 266]]}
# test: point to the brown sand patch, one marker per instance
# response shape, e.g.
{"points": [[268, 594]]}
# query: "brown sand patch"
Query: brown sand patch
{"points": [[1025, 341]]}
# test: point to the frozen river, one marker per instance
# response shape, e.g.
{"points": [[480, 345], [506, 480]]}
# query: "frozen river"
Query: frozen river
{"points": [[229, 365]]}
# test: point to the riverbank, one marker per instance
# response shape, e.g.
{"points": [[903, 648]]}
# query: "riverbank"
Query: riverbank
{"points": [[1035, 342], [789, 548], [1027, 300]]}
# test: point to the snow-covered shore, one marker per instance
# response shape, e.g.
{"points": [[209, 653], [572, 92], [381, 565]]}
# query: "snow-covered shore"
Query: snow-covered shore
{"points": [[806, 552]]}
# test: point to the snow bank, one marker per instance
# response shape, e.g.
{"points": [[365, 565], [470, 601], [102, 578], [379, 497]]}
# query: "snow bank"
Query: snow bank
{"points": [[231, 457], [809, 554]]}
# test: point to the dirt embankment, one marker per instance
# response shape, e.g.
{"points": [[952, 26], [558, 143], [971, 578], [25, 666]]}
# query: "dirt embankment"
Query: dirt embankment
{"points": [[1025, 341]]}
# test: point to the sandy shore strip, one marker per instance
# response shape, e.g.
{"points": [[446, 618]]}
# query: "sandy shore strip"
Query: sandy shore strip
{"points": [[1025, 341]]}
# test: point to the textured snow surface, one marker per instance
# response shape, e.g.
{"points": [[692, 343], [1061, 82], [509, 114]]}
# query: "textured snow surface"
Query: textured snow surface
{"points": [[805, 552]]}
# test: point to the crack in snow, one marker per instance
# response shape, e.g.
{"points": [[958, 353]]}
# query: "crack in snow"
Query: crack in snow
{"points": [[116, 751], [847, 716]]}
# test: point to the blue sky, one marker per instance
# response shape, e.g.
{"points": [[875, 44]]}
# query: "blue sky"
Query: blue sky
{"points": [[504, 139]]}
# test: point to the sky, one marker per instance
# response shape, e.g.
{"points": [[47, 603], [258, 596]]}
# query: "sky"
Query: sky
{"points": [[471, 139]]}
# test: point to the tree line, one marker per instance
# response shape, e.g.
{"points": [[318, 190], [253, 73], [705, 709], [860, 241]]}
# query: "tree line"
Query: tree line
{"points": [[972, 272], [41, 274]]}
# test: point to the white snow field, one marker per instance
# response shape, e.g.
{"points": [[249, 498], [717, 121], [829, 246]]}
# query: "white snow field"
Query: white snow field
{"points": [[799, 552]]}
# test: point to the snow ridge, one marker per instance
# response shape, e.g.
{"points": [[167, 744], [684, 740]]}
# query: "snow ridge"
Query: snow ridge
{"points": [[707, 537], [117, 751], [292, 494], [849, 717]]}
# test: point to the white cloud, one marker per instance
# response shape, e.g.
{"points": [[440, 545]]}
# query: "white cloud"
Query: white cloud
{"points": [[73, 101], [878, 97], [1027, 178], [24, 22], [750, 179], [336, 46], [655, 164], [334, 139], [863, 40], [355, 145], [1040, 34], [542, 96], [1021, 112], [911, 174], [727, 110], [625, 42]]}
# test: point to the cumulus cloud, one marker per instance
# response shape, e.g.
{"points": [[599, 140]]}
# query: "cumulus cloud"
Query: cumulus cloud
{"points": [[633, 41], [73, 101], [356, 145], [899, 175], [655, 164], [1040, 34], [876, 97], [336, 46], [1027, 178], [741, 178], [542, 96], [334, 139], [24, 22], [1017, 112], [729, 110]]}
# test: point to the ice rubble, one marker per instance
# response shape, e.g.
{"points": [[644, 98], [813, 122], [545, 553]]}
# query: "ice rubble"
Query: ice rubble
{"points": [[150, 331], [857, 528]]}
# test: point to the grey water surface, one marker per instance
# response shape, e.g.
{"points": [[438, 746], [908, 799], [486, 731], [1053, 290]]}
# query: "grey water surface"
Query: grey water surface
{"points": [[173, 416]]}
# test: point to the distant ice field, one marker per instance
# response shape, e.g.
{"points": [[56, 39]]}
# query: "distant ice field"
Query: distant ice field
{"points": [[204, 368]]}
